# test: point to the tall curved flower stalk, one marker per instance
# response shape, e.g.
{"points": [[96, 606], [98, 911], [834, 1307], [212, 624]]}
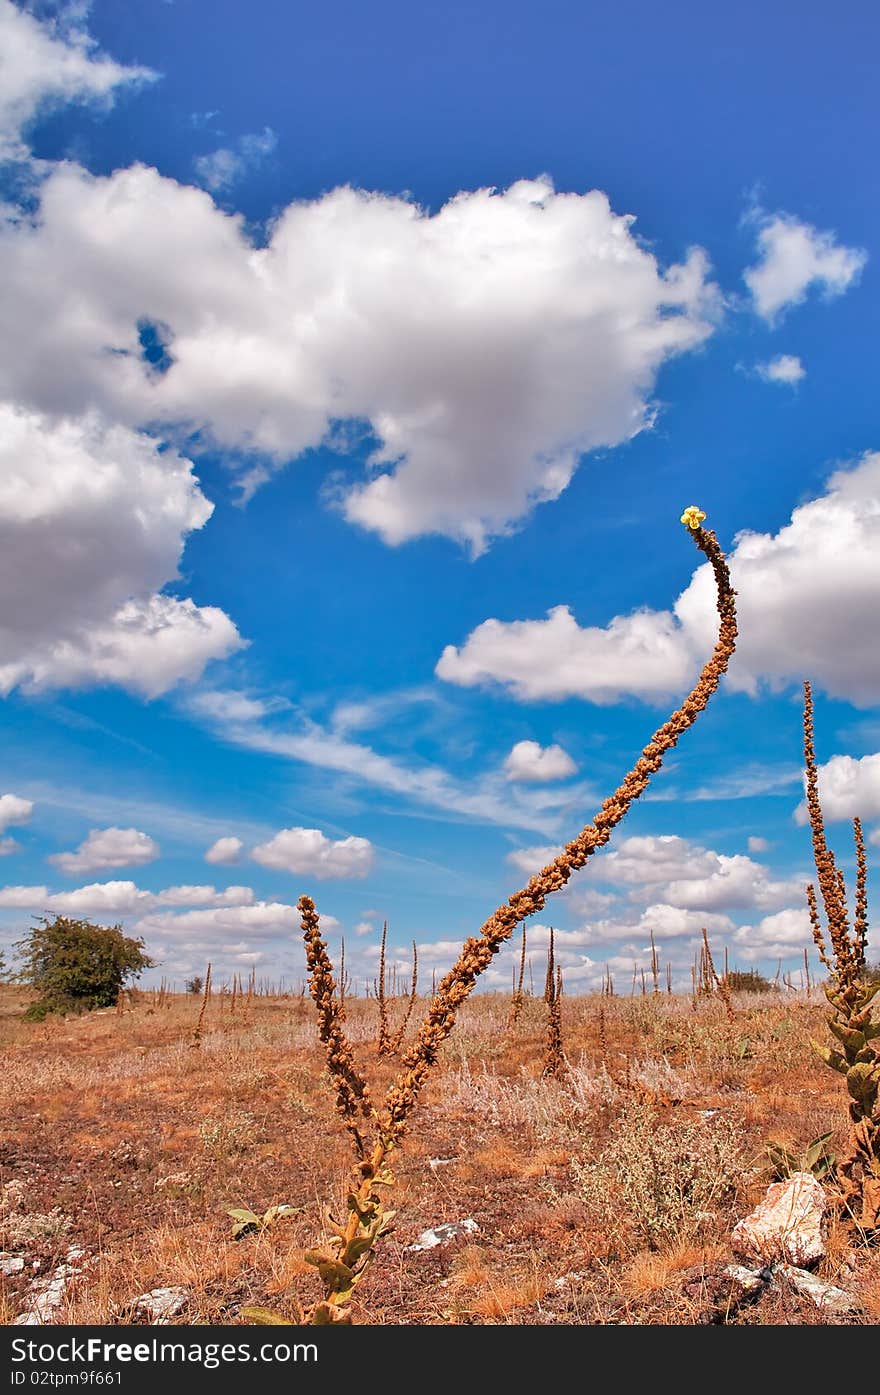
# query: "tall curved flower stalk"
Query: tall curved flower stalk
{"points": [[856, 1053], [343, 1262]]}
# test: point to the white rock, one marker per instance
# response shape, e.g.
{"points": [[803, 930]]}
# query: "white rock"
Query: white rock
{"points": [[11, 1264], [825, 1296], [442, 1234], [160, 1304], [787, 1225], [45, 1296], [747, 1279]]}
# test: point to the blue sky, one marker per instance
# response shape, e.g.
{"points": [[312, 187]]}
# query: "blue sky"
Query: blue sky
{"points": [[357, 366]]}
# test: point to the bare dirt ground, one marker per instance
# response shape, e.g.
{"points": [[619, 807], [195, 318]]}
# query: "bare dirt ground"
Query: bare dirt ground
{"points": [[607, 1197]]}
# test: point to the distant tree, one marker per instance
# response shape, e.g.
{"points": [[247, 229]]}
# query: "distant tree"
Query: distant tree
{"points": [[195, 985], [75, 966], [750, 982], [872, 972]]}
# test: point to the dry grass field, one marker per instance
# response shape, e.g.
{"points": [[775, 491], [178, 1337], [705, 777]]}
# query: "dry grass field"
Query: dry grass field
{"points": [[604, 1197]]}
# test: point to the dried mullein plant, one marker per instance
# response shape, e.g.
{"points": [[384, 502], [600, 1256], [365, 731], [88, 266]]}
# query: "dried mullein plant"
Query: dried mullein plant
{"points": [[397, 1039], [516, 1002], [345, 1258], [856, 1054], [554, 1055]]}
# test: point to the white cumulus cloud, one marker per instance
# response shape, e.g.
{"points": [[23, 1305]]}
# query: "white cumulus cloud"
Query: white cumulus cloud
{"points": [[122, 898], [262, 920], [806, 598], [785, 368], [50, 64], [225, 850], [532, 860], [14, 810], [849, 787], [528, 760], [107, 512], [309, 851], [643, 654], [489, 345], [684, 874], [108, 847], [777, 936], [793, 256]]}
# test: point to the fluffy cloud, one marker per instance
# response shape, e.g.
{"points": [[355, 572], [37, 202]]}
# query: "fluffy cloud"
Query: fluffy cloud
{"points": [[667, 923], [263, 920], [225, 850], [651, 860], [643, 654], [108, 847], [105, 511], [682, 874], [785, 368], [205, 896], [14, 810], [532, 860], [733, 883], [530, 761], [222, 168], [794, 256], [848, 788], [757, 845], [778, 936], [46, 65], [309, 851], [121, 898], [807, 595], [806, 598], [359, 306]]}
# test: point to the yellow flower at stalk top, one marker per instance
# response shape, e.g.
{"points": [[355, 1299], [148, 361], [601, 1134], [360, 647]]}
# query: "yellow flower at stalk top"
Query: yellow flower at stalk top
{"points": [[692, 517]]}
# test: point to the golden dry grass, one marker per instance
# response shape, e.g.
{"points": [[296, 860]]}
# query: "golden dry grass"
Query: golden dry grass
{"points": [[140, 1145]]}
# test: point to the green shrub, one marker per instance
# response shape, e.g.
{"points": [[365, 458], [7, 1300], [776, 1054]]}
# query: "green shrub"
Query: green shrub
{"points": [[750, 982], [75, 966]]}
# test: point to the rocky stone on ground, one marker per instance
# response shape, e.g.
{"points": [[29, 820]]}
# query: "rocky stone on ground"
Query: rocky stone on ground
{"points": [[442, 1234], [825, 1296], [787, 1225], [159, 1305], [46, 1295]]}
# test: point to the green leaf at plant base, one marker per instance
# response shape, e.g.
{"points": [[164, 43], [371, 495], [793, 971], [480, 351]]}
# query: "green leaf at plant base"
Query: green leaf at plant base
{"points": [[862, 1081], [246, 1222], [851, 1040], [818, 1152], [339, 1280], [265, 1317], [832, 1058]]}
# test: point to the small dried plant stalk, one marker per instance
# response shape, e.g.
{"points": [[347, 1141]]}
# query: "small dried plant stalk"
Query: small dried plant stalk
{"points": [[351, 1249], [197, 1033], [855, 1054], [516, 1005], [352, 1093], [384, 1046], [720, 983], [397, 1039], [554, 1056]]}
